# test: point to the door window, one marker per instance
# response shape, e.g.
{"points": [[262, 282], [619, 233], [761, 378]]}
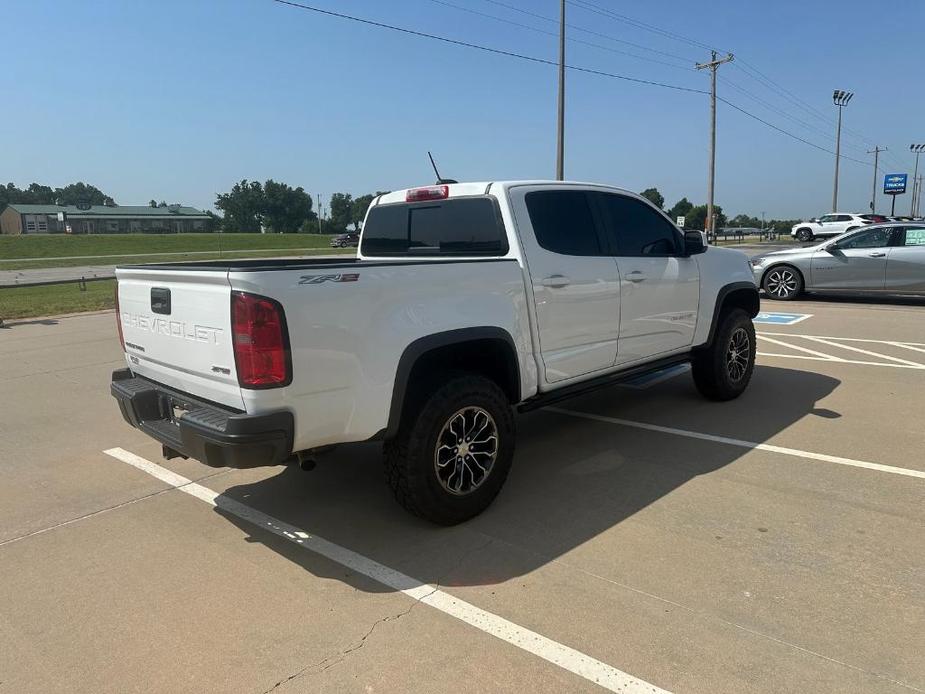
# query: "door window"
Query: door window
{"points": [[826, 218], [635, 229], [872, 238], [563, 223], [843, 218]]}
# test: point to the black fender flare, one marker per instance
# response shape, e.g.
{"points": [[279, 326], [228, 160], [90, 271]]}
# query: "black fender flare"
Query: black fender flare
{"points": [[420, 347], [721, 295]]}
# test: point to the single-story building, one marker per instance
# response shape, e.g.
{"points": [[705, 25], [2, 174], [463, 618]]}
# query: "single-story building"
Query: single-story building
{"points": [[100, 219]]}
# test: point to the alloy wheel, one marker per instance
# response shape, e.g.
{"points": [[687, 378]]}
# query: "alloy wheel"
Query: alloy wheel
{"points": [[738, 355], [782, 283], [466, 449]]}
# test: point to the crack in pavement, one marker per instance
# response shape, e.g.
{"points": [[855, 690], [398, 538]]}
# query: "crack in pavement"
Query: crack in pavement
{"points": [[106, 509], [332, 660]]}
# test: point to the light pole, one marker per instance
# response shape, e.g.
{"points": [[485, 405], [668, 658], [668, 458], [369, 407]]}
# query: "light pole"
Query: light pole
{"points": [[841, 100], [917, 150]]}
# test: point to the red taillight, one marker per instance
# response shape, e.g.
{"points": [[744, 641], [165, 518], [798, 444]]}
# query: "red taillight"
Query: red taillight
{"points": [[429, 193], [261, 345], [119, 319]]}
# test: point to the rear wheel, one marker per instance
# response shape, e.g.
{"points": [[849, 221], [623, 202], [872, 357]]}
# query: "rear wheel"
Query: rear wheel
{"points": [[804, 235], [343, 244], [453, 453], [723, 370], [784, 283]]}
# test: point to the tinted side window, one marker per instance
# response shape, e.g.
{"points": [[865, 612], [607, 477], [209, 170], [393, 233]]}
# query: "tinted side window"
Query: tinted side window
{"points": [[563, 223], [874, 238], [826, 218], [843, 218], [465, 226], [636, 229]]}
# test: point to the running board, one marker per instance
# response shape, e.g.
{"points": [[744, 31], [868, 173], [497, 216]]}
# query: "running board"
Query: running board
{"points": [[611, 379]]}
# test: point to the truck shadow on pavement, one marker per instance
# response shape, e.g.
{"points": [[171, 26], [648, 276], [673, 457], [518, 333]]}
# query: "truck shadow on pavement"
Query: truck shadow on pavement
{"points": [[572, 480]]}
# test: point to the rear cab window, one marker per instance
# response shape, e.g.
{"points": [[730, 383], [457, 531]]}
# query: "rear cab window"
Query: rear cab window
{"points": [[464, 226]]}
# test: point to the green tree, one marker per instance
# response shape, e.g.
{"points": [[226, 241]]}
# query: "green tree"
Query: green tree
{"points": [[341, 207], [81, 192], [681, 208], [361, 205], [285, 209], [653, 196], [697, 217], [242, 207]]}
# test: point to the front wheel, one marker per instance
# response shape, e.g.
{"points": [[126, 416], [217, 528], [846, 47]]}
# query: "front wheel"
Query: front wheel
{"points": [[453, 453], [804, 235], [722, 371], [342, 244], [784, 283]]}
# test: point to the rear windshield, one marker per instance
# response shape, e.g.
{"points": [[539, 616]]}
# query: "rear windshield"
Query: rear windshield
{"points": [[462, 226]]}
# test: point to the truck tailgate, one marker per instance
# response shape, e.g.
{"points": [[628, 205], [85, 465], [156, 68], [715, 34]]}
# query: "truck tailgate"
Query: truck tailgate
{"points": [[177, 330]]}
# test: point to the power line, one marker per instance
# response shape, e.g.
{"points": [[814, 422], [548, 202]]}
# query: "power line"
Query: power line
{"points": [[785, 132], [597, 9], [544, 61], [552, 33], [590, 32], [487, 49]]}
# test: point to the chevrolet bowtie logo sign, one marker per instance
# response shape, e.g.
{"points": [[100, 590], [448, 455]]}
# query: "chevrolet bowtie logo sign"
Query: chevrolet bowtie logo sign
{"points": [[894, 184]]}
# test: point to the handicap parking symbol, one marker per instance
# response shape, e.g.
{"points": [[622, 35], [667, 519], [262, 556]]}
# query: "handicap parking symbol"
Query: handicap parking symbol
{"points": [[781, 318]]}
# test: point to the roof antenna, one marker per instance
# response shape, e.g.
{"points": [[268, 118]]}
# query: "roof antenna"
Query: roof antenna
{"points": [[440, 181]]}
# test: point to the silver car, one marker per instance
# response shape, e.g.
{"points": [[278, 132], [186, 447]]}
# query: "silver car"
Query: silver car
{"points": [[885, 258]]}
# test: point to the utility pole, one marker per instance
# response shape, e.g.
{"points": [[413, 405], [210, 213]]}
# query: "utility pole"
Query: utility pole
{"points": [[319, 213], [840, 99], [712, 65], [873, 196], [560, 125], [917, 150]]}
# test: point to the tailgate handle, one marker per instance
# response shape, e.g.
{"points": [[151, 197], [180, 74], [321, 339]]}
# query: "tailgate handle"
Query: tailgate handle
{"points": [[160, 300]]}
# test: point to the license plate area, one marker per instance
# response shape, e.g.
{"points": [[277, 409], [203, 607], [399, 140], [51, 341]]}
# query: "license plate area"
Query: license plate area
{"points": [[173, 409]]}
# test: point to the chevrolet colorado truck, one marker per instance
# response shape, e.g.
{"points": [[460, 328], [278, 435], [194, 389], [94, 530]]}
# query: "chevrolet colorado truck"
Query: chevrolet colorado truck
{"points": [[465, 303]]}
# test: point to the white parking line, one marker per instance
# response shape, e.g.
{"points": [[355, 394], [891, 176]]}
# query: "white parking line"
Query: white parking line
{"points": [[839, 343], [799, 349], [751, 445], [569, 659], [869, 353]]}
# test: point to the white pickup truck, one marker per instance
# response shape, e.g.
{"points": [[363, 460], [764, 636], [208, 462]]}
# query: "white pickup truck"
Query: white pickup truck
{"points": [[465, 302]]}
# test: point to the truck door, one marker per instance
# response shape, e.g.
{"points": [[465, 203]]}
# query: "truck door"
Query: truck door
{"points": [[660, 287], [576, 286]]}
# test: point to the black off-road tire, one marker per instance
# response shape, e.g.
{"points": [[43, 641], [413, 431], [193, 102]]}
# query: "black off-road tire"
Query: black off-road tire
{"points": [[410, 465], [714, 376]]}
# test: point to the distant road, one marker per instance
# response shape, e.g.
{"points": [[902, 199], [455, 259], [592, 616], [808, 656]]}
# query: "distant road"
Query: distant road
{"points": [[10, 278]]}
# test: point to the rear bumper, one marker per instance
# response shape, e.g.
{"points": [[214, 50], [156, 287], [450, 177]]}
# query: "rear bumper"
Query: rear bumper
{"points": [[205, 431]]}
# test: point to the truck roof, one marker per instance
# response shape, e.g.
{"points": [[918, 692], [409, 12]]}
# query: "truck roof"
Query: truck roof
{"points": [[484, 187]]}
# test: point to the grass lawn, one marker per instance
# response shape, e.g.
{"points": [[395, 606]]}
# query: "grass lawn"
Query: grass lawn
{"points": [[29, 302], [37, 246], [131, 260]]}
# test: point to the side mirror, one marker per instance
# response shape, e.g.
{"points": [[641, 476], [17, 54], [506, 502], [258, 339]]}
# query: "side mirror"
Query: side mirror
{"points": [[694, 243], [830, 248]]}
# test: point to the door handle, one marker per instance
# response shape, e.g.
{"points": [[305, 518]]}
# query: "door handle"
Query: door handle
{"points": [[876, 254], [556, 281], [636, 276]]}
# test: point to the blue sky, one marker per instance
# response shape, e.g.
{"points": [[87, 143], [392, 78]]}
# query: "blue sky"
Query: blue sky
{"points": [[178, 99]]}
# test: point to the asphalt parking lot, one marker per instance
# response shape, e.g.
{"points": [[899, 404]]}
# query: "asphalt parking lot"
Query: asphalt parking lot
{"points": [[646, 541]]}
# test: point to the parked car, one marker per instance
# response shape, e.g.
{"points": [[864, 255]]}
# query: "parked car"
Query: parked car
{"points": [[343, 240], [885, 258], [826, 226], [465, 302]]}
